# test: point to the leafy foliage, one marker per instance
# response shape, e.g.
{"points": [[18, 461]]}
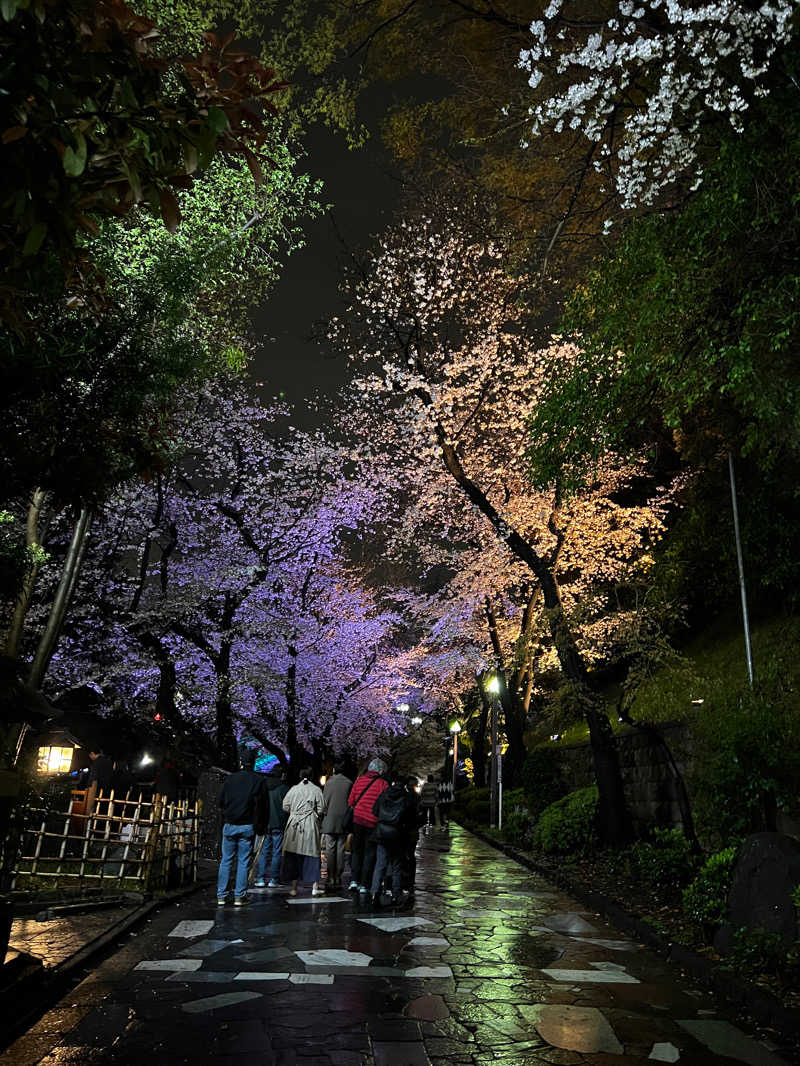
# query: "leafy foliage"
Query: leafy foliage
{"points": [[541, 779], [95, 120], [568, 824], [705, 901], [747, 760], [665, 861], [691, 326]]}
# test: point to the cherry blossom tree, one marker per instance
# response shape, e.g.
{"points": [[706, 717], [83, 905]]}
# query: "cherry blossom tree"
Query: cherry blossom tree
{"points": [[440, 333], [219, 592], [643, 80]]}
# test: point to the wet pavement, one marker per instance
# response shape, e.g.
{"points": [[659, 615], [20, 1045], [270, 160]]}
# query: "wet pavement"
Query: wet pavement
{"points": [[56, 939], [490, 965]]}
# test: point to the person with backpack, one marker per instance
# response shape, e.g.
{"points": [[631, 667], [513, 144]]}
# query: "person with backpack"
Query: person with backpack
{"points": [[395, 813], [368, 786]]}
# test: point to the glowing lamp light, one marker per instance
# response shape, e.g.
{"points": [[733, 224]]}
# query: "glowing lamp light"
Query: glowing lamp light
{"points": [[493, 685], [158, 717], [323, 779], [416, 720], [51, 760], [455, 727], [146, 760], [403, 708]]}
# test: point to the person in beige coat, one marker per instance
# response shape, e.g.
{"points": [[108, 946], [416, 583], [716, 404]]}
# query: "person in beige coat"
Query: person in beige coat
{"points": [[301, 838]]}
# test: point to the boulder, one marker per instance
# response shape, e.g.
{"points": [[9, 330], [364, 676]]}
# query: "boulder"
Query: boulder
{"points": [[766, 873]]}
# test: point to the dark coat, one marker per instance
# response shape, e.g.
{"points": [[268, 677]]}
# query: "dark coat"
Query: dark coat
{"points": [[334, 795]]}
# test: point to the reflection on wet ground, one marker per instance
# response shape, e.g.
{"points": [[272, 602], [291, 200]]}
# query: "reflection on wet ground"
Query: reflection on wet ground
{"points": [[489, 966]]}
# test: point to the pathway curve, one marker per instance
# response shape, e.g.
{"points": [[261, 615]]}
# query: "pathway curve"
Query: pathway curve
{"points": [[490, 967]]}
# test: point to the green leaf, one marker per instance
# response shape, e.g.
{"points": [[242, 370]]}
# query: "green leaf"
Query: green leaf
{"points": [[8, 9], [218, 120], [74, 161], [33, 242]]}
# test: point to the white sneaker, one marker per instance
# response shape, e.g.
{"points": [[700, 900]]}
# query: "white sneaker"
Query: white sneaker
{"points": [[260, 883], [363, 889], [353, 886], [222, 900], [272, 884]]}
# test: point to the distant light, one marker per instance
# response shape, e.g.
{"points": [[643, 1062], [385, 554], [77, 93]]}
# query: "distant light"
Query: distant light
{"points": [[555, 736], [403, 708], [146, 760], [449, 751], [416, 720], [619, 719], [455, 727], [698, 701], [493, 684], [157, 717], [323, 779]]}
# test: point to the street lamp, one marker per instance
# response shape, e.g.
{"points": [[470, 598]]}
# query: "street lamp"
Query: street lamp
{"points": [[455, 729], [496, 769]]}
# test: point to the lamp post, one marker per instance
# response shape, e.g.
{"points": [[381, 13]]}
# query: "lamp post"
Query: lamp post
{"points": [[455, 729], [495, 783]]}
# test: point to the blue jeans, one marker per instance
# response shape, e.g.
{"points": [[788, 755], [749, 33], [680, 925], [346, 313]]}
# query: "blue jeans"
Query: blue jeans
{"points": [[273, 845], [388, 863], [237, 843]]}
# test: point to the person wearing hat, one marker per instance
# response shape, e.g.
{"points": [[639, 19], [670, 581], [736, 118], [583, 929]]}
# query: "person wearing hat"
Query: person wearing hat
{"points": [[368, 786]]}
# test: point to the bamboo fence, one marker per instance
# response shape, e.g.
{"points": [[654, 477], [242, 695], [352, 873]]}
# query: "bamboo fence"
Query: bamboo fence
{"points": [[125, 842]]}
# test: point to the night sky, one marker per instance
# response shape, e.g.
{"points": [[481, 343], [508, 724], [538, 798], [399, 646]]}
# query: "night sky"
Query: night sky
{"points": [[362, 188]]}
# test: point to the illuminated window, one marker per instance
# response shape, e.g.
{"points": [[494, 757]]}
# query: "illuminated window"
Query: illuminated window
{"points": [[54, 760]]}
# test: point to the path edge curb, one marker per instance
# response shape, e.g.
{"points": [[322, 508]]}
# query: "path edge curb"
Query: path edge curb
{"points": [[52, 983], [761, 1005]]}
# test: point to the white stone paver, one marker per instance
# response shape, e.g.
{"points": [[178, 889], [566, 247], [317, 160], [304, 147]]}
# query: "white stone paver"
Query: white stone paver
{"points": [[664, 1052], [192, 928], [318, 899], [224, 999], [311, 978], [725, 1039], [261, 975], [393, 925], [169, 964], [592, 977], [333, 957]]}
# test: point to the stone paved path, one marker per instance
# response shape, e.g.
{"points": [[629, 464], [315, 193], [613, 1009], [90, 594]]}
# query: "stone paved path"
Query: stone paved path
{"points": [[490, 966]]}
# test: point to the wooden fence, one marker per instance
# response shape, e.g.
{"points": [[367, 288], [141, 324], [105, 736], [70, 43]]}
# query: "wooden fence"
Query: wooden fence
{"points": [[124, 843]]}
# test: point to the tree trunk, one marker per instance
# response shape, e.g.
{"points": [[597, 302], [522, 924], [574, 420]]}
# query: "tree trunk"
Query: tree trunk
{"points": [[63, 597], [33, 538], [227, 750], [479, 741], [614, 824]]}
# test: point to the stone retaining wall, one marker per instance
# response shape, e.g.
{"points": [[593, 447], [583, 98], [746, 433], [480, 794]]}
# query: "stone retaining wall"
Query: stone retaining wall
{"points": [[649, 784]]}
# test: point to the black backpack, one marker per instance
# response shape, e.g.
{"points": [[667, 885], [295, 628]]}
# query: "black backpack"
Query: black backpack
{"points": [[392, 814]]}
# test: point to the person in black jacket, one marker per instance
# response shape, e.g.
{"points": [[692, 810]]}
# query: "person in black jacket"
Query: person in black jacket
{"points": [[242, 800], [395, 813], [272, 847]]}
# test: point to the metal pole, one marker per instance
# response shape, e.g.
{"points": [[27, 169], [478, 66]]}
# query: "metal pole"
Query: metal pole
{"points": [[455, 760], [499, 789], [742, 589], [493, 768]]}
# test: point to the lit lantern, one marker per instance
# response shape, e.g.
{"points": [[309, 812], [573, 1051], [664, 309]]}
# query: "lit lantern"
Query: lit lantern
{"points": [[55, 753]]}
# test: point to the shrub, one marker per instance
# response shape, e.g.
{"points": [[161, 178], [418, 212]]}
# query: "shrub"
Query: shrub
{"points": [[472, 804], [757, 951], [705, 901], [541, 778], [569, 823], [665, 861], [518, 821], [747, 756]]}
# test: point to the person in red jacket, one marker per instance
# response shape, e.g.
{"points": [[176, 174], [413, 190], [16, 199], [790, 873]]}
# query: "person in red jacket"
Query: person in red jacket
{"points": [[363, 794]]}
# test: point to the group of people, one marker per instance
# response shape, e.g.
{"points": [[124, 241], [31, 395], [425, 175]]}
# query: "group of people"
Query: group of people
{"points": [[379, 816]]}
